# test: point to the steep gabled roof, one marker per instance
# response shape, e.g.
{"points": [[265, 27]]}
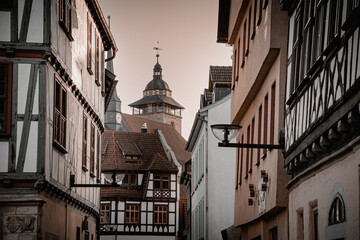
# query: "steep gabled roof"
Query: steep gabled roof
{"points": [[117, 145], [173, 138]]}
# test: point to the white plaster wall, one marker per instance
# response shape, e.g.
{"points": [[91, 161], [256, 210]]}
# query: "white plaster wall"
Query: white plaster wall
{"points": [[5, 25], [221, 175], [320, 187], [4, 156], [36, 24], [199, 192]]}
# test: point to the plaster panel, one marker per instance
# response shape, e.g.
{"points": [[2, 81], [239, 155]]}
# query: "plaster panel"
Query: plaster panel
{"points": [[4, 156], [21, 4], [35, 31], [121, 205], [5, 26], [171, 218], [120, 217], [171, 207], [143, 218], [23, 76], [31, 151]]}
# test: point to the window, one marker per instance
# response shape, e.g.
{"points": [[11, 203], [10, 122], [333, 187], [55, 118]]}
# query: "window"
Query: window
{"points": [[244, 45], [248, 35], [132, 214], [272, 114], [105, 213], [273, 233], [161, 182], [252, 141], [130, 179], [316, 224], [235, 68], [241, 159], [84, 145], [259, 135], [65, 17], [337, 211], [89, 44], [86, 235], [247, 153], [266, 109], [59, 127], [92, 151], [160, 214], [5, 98], [77, 233], [97, 61], [102, 71], [260, 11], [254, 20], [98, 156], [300, 224]]}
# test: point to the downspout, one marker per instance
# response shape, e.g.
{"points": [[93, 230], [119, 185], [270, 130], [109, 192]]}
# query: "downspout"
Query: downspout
{"points": [[66, 205], [206, 178]]}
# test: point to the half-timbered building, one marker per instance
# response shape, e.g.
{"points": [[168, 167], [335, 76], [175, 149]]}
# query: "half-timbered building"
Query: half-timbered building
{"points": [[322, 124], [52, 102], [146, 202]]}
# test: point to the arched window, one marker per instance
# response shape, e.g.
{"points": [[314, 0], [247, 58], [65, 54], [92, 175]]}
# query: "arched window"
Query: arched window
{"points": [[337, 211]]}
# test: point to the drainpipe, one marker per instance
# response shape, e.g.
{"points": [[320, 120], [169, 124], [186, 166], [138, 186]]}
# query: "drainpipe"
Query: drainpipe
{"points": [[66, 205]]}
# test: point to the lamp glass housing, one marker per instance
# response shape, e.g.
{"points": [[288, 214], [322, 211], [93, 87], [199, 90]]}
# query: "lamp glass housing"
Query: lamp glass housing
{"points": [[225, 132]]}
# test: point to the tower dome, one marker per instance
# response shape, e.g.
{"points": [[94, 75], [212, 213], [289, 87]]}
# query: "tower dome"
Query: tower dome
{"points": [[157, 102]]}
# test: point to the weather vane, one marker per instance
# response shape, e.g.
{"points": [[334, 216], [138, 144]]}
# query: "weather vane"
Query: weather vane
{"points": [[157, 48]]}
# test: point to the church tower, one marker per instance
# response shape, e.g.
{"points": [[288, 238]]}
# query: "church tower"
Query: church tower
{"points": [[157, 103]]}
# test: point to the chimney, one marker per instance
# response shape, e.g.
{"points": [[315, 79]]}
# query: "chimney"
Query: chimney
{"points": [[144, 128]]}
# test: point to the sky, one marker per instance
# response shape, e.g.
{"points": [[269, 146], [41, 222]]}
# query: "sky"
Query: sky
{"points": [[186, 31]]}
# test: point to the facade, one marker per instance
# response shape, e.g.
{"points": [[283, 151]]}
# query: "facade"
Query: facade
{"points": [[157, 103], [145, 205], [256, 29], [53, 93], [322, 129], [212, 169]]}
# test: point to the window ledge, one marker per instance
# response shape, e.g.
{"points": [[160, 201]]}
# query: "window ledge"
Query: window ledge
{"points": [[59, 147]]}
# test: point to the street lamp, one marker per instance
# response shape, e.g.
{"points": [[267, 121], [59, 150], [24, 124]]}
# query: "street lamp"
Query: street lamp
{"points": [[226, 132], [114, 178]]}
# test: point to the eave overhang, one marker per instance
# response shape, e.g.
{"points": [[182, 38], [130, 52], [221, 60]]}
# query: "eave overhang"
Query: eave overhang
{"points": [[223, 21], [104, 30]]}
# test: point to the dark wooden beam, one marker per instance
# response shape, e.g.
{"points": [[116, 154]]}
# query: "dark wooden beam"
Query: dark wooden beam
{"points": [[25, 20]]}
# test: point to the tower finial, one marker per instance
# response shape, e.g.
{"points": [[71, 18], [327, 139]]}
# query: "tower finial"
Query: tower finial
{"points": [[157, 51]]}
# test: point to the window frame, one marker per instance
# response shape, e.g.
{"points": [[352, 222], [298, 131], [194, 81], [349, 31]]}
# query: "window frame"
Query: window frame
{"points": [[59, 126], [97, 60], [92, 150], [84, 142], [135, 210], [89, 44], [128, 177], [103, 213], [65, 17], [8, 66], [98, 149], [162, 176], [162, 212], [337, 204]]}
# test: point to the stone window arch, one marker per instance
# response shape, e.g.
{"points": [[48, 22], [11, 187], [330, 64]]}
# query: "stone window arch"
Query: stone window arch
{"points": [[337, 210]]}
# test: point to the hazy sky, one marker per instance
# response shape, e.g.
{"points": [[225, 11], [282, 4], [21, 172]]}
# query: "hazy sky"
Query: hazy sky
{"points": [[186, 30]]}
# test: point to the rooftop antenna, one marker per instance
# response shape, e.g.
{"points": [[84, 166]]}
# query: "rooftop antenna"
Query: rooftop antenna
{"points": [[157, 51], [108, 20]]}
